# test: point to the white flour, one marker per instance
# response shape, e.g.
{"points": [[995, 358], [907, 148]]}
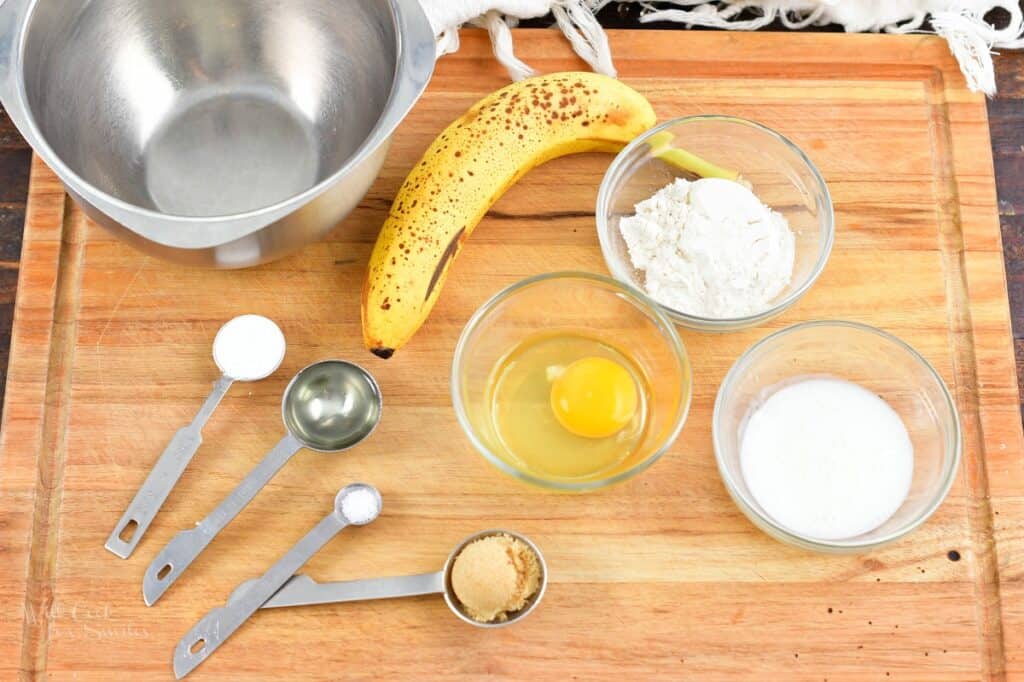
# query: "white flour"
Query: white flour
{"points": [[710, 248], [827, 458]]}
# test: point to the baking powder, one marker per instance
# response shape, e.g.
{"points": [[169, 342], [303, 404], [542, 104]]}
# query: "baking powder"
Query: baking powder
{"points": [[249, 347]]}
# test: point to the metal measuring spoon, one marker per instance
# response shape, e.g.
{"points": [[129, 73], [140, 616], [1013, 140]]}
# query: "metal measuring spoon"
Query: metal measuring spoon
{"points": [[260, 361], [220, 623], [329, 406], [302, 590]]}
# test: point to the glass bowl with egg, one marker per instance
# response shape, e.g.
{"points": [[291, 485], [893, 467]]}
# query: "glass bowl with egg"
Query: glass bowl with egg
{"points": [[835, 436], [571, 381], [722, 221]]}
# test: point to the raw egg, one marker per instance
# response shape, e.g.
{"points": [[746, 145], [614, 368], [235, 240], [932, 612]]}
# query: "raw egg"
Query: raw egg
{"points": [[594, 397]]}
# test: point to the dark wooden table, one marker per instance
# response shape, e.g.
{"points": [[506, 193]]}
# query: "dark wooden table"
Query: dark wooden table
{"points": [[1006, 118], [1006, 122]]}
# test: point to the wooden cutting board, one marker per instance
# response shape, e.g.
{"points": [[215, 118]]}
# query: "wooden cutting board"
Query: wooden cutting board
{"points": [[661, 576]]}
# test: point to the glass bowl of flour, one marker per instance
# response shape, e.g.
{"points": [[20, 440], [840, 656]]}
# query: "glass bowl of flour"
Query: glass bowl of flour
{"points": [[835, 436], [721, 221]]}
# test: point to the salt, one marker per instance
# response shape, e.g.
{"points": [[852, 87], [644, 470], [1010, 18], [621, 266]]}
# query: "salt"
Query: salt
{"points": [[249, 348], [827, 458], [360, 506]]}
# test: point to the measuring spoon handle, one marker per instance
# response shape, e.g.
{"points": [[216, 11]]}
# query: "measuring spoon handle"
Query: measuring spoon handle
{"points": [[184, 547], [301, 590], [161, 479], [220, 623]]}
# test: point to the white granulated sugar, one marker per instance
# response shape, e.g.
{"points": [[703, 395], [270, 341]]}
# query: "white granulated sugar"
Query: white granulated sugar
{"points": [[249, 347], [710, 248], [827, 458], [360, 506]]}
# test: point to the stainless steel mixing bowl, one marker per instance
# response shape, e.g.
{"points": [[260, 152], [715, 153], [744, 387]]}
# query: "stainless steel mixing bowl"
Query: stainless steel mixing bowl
{"points": [[222, 133]]}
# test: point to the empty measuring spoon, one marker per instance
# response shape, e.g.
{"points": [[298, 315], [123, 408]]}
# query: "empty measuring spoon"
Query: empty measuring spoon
{"points": [[302, 590], [357, 505], [329, 406], [247, 348]]}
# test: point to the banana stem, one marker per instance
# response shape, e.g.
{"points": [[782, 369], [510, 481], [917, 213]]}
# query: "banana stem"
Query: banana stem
{"points": [[661, 147]]}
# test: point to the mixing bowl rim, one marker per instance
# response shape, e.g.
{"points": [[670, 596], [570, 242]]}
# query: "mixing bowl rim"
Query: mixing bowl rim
{"points": [[16, 99], [826, 222], [953, 443], [643, 304]]}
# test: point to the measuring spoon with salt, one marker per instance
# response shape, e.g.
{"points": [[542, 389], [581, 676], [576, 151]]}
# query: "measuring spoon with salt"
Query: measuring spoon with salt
{"points": [[301, 590], [329, 406], [247, 348], [356, 504]]}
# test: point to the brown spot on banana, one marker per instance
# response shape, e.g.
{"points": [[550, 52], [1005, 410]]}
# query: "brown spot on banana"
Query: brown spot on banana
{"points": [[449, 254]]}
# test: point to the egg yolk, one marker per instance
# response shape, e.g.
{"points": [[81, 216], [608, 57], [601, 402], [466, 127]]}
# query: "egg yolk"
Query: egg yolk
{"points": [[594, 397]]}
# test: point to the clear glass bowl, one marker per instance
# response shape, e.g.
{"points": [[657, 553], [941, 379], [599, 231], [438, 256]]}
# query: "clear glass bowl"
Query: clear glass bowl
{"points": [[582, 303], [780, 174], [864, 355]]}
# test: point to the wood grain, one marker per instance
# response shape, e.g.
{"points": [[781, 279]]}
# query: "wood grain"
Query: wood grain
{"points": [[661, 576]]}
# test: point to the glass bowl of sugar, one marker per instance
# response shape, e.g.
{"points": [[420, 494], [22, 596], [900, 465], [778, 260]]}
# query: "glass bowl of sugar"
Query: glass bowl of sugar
{"points": [[723, 222], [835, 436]]}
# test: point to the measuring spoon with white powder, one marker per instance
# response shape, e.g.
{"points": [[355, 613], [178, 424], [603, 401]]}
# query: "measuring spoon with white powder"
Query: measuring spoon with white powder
{"points": [[356, 504], [330, 406], [247, 348]]}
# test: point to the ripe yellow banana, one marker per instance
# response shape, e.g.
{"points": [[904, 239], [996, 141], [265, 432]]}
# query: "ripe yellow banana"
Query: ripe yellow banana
{"points": [[467, 168]]}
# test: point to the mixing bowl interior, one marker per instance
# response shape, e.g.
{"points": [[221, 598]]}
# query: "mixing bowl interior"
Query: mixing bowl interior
{"points": [[198, 108]]}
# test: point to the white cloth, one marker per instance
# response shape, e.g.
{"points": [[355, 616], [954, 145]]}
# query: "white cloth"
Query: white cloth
{"points": [[960, 22]]}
